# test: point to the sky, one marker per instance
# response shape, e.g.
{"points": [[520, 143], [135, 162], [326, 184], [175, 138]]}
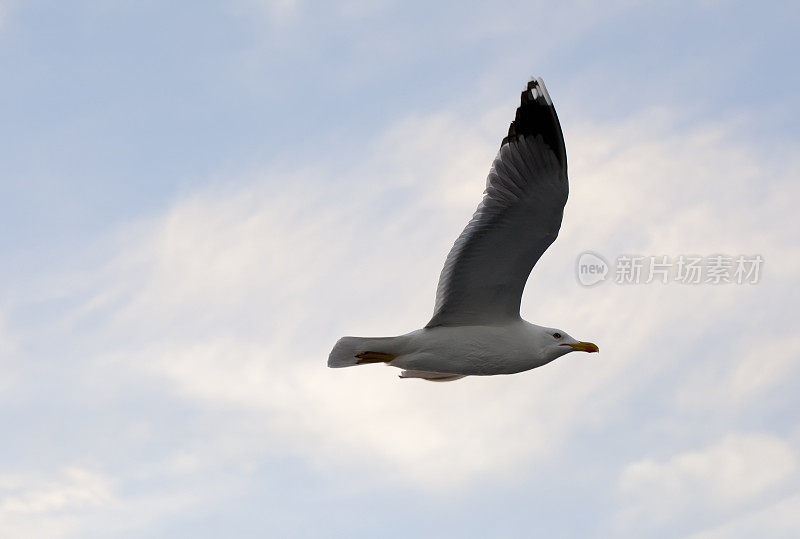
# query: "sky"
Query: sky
{"points": [[198, 198]]}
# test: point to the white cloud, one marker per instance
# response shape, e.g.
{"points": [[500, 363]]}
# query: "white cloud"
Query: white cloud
{"points": [[231, 300], [779, 520], [239, 297], [768, 364], [37, 506], [732, 474], [236, 296], [76, 487], [191, 363]]}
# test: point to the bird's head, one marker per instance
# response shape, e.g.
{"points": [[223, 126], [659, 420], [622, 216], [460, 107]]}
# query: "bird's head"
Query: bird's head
{"points": [[557, 343]]}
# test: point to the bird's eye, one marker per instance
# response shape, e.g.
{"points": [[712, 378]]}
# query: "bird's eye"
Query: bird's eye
{"points": [[556, 335]]}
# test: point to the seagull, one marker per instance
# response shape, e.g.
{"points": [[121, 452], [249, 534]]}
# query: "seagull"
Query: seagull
{"points": [[476, 329]]}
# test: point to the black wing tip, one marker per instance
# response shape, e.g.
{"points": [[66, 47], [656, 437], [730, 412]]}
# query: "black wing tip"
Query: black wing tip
{"points": [[537, 91], [535, 105], [536, 115]]}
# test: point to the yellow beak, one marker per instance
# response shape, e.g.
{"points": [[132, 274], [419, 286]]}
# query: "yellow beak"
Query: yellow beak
{"points": [[585, 347]]}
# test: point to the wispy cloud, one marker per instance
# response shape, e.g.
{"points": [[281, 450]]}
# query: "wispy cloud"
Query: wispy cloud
{"points": [[38, 505], [777, 520], [731, 475], [235, 296], [342, 149]]}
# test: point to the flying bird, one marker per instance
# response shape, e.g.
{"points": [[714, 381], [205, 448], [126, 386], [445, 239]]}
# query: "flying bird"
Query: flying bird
{"points": [[476, 329]]}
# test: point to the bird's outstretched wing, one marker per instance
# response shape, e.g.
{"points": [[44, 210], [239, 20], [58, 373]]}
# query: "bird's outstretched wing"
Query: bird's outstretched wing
{"points": [[517, 220]]}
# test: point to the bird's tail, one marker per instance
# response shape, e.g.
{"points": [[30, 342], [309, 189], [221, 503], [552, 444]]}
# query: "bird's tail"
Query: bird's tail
{"points": [[351, 351]]}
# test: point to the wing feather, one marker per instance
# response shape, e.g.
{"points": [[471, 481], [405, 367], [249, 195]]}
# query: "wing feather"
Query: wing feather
{"points": [[517, 220]]}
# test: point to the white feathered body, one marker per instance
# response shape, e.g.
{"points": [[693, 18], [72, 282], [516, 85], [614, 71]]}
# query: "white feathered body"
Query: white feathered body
{"points": [[465, 350]]}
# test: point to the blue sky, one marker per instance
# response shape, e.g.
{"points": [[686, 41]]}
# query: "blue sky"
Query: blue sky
{"points": [[197, 199]]}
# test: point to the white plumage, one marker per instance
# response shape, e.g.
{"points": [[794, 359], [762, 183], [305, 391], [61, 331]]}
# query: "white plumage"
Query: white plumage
{"points": [[476, 328]]}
